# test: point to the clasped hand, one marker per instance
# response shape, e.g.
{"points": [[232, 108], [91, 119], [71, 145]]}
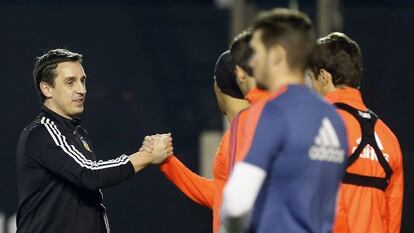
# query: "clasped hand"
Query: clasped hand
{"points": [[159, 146]]}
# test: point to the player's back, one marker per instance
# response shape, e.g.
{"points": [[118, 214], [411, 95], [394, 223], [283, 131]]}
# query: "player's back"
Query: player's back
{"points": [[306, 163], [366, 209]]}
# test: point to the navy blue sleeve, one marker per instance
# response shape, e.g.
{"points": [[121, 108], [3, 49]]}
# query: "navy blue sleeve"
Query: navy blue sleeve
{"points": [[268, 139]]}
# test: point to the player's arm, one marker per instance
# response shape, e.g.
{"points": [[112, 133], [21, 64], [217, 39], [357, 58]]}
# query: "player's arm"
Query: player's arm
{"points": [[240, 193], [51, 151], [394, 194], [248, 176], [199, 189]]}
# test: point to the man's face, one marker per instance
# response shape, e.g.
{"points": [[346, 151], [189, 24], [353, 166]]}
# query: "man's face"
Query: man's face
{"points": [[259, 60], [67, 96]]}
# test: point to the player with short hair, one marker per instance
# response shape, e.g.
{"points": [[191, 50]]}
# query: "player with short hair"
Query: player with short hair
{"points": [[208, 192], [289, 178], [59, 178], [371, 194], [241, 53]]}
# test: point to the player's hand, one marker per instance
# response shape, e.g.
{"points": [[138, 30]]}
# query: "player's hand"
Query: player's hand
{"points": [[162, 147], [147, 145]]}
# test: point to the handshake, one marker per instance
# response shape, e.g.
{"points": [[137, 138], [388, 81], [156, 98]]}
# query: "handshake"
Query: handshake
{"points": [[157, 147]]}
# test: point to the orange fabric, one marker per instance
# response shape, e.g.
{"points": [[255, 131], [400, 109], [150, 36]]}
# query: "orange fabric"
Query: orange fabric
{"points": [[246, 123], [365, 209], [207, 192], [256, 95]]}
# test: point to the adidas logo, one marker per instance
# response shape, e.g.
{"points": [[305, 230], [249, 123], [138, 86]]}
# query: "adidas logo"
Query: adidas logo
{"points": [[368, 152], [326, 146]]}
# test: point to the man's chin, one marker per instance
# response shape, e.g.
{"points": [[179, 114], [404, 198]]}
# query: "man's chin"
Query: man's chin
{"points": [[78, 111]]}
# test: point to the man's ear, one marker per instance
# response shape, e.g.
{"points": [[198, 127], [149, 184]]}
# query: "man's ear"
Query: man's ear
{"points": [[46, 89], [240, 74], [276, 54], [325, 77]]}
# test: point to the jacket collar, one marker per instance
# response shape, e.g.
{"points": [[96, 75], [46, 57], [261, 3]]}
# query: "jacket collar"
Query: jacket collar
{"points": [[347, 95], [60, 120], [256, 94]]}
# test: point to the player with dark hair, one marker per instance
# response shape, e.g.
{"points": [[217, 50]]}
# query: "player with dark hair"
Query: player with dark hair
{"points": [[295, 155], [59, 178], [208, 192], [241, 53], [371, 194]]}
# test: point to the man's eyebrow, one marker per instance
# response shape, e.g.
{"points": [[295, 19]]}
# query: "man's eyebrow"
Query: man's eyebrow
{"points": [[70, 78]]}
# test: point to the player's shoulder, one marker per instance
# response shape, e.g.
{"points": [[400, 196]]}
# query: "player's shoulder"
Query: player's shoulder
{"points": [[35, 131], [385, 132], [300, 97], [295, 94], [272, 100], [256, 109]]}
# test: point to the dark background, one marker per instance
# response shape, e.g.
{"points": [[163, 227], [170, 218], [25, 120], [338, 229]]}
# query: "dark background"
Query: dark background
{"points": [[149, 66]]}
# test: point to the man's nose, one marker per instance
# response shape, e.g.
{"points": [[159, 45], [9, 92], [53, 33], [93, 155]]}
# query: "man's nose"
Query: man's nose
{"points": [[81, 88]]}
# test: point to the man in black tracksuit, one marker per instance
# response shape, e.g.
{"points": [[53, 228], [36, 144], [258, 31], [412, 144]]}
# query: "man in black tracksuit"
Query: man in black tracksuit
{"points": [[58, 175]]}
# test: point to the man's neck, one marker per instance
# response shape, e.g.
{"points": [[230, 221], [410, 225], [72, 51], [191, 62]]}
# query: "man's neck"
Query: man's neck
{"points": [[332, 88], [54, 109], [233, 108], [251, 84], [287, 78]]}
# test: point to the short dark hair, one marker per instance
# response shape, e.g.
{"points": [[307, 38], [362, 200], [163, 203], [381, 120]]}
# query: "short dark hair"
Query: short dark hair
{"points": [[225, 76], [341, 56], [241, 51], [46, 64], [291, 29]]}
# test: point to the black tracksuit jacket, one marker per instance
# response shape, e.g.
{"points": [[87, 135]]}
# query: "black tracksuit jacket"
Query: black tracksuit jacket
{"points": [[59, 178]]}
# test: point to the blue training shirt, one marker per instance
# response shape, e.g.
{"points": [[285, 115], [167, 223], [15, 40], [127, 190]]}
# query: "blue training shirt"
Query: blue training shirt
{"points": [[300, 141]]}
